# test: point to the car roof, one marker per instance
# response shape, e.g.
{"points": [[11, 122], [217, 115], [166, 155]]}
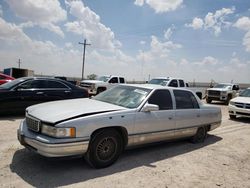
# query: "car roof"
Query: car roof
{"points": [[154, 86], [167, 78]]}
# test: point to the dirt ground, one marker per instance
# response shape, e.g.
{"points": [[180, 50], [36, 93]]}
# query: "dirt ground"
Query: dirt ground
{"points": [[223, 160]]}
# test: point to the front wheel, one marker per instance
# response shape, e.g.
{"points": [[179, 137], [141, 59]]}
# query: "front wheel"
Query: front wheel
{"points": [[208, 100], [200, 135], [105, 148], [232, 116]]}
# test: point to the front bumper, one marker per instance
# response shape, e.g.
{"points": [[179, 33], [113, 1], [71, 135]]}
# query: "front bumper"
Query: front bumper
{"points": [[217, 98], [233, 110], [46, 147]]}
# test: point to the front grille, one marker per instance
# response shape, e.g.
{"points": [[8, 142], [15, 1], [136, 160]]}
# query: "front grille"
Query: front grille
{"points": [[86, 85], [33, 124], [214, 93], [239, 105], [242, 105]]}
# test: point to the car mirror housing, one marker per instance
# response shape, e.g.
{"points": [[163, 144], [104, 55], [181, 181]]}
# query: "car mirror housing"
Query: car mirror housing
{"points": [[150, 107]]}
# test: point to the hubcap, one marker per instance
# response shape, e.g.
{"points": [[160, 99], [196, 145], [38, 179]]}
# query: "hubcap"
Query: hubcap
{"points": [[106, 148]]}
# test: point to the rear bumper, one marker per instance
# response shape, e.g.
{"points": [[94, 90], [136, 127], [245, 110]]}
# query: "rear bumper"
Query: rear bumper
{"points": [[51, 149]]}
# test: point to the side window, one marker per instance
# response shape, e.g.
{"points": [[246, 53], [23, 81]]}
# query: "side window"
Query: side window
{"points": [[34, 84], [56, 85], [185, 100], [173, 83], [113, 80], [122, 81], [182, 84], [235, 87], [162, 98]]}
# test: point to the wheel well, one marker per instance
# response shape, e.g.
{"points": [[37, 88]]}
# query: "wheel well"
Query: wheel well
{"points": [[121, 130], [101, 88]]}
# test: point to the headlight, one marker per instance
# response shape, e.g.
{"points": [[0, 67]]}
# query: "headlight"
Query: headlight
{"points": [[232, 103], [93, 86], [223, 92], [58, 132]]}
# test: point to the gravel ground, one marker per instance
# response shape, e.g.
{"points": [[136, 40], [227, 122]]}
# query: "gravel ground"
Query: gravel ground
{"points": [[223, 160]]}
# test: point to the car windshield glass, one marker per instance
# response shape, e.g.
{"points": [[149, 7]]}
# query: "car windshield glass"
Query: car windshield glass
{"points": [[12, 83], [162, 82], [125, 96], [223, 86], [104, 78], [245, 93]]}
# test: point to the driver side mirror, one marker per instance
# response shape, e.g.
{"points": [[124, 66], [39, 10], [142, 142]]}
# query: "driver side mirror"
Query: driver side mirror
{"points": [[150, 107]]}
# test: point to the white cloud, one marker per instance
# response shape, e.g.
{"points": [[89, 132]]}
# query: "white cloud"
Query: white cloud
{"points": [[243, 23], [142, 42], [88, 24], [139, 2], [160, 6], [215, 21], [44, 13], [197, 23], [168, 33]]}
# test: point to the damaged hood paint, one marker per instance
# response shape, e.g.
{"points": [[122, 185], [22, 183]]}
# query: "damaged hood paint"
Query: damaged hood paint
{"points": [[56, 111]]}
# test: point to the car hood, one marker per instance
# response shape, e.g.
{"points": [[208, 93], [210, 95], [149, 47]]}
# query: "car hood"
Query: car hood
{"points": [[57, 111], [91, 81], [241, 100]]}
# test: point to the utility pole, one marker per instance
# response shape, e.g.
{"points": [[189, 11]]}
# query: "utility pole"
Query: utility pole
{"points": [[83, 56], [19, 63]]}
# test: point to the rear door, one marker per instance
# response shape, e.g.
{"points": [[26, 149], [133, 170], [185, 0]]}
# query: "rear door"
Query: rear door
{"points": [[57, 90], [187, 112]]}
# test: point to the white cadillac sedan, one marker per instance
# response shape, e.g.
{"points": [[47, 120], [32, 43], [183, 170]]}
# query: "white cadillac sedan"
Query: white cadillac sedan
{"points": [[126, 115], [240, 106]]}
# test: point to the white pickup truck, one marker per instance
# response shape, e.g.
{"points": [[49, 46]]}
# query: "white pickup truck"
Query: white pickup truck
{"points": [[103, 83], [222, 92], [174, 82]]}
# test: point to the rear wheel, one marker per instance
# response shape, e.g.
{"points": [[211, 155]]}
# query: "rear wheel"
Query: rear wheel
{"points": [[200, 135], [104, 149]]}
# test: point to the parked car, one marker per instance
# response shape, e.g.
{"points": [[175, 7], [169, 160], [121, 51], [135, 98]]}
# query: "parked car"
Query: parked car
{"points": [[240, 106], [5, 78], [103, 83], [222, 92], [18, 94], [175, 82], [126, 115]]}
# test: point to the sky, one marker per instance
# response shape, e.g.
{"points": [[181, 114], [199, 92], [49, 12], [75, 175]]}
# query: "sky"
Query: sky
{"points": [[197, 40]]}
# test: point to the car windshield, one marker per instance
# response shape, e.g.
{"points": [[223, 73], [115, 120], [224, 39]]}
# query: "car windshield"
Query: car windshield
{"points": [[161, 81], [104, 78], [12, 83], [245, 93], [223, 86], [125, 96]]}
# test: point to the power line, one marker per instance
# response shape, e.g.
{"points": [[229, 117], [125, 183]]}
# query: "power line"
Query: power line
{"points": [[83, 56]]}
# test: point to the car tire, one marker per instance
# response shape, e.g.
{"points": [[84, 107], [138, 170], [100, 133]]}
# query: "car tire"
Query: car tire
{"points": [[208, 100], [200, 135], [104, 149], [99, 90], [232, 116]]}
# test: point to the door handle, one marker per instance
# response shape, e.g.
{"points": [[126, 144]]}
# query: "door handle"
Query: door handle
{"points": [[170, 118], [198, 115], [67, 91], [40, 93]]}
